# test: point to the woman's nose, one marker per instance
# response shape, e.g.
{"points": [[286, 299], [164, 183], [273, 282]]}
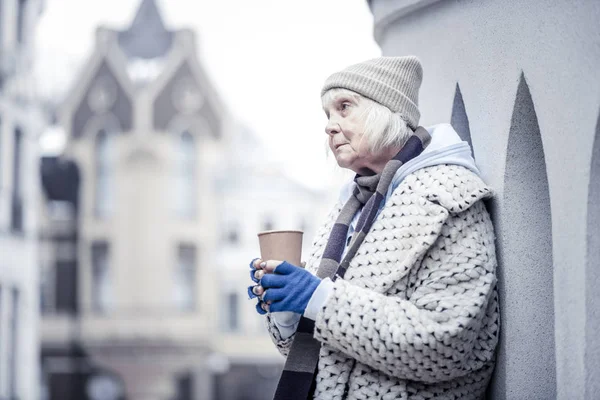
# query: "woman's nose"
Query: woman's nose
{"points": [[332, 127]]}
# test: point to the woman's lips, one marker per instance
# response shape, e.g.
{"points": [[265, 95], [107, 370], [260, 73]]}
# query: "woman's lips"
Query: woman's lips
{"points": [[337, 146]]}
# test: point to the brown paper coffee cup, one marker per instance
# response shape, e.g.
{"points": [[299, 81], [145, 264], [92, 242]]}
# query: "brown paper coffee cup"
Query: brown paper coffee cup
{"points": [[281, 245]]}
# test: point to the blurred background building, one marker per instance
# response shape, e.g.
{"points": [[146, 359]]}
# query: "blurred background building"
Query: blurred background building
{"points": [[147, 226], [21, 123], [255, 196], [133, 234]]}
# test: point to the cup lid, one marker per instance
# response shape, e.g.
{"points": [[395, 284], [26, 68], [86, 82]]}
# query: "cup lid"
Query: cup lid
{"points": [[279, 231]]}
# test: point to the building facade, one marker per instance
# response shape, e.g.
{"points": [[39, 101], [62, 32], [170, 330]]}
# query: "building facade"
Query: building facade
{"points": [[21, 122], [255, 196], [149, 219], [128, 290], [519, 80]]}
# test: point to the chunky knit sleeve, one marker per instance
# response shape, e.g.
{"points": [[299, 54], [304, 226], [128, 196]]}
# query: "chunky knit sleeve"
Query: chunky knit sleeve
{"points": [[283, 345], [439, 328]]}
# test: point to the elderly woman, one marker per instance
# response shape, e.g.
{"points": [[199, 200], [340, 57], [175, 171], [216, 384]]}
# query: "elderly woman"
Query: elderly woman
{"points": [[398, 298]]}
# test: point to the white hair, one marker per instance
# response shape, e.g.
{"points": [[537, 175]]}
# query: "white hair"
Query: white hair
{"points": [[382, 127]]}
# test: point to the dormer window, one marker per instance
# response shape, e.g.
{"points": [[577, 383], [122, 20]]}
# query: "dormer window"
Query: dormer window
{"points": [[185, 176]]}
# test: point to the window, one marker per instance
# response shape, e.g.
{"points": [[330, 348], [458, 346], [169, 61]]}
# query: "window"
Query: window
{"points": [[21, 21], [16, 220], [66, 286], [46, 287], [101, 278], [13, 349], [185, 386], [59, 276], [232, 312], [185, 176], [232, 234], [104, 192], [268, 224], [184, 290], [1, 144]]}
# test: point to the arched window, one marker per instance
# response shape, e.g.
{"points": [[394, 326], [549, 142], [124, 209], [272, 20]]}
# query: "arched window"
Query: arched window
{"points": [[185, 176], [104, 190]]}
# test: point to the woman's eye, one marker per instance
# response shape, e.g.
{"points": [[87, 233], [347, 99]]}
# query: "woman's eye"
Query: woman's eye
{"points": [[345, 106]]}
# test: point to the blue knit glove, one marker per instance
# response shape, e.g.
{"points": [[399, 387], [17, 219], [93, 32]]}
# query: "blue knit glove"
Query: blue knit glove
{"points": [[289, 288]]}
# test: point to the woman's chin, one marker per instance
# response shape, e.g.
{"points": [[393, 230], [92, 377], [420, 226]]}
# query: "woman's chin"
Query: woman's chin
{"points": [[343, 162], [349, 167]]}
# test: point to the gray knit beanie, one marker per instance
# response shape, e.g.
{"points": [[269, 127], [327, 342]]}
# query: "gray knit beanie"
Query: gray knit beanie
{"points": [[390, 81]]}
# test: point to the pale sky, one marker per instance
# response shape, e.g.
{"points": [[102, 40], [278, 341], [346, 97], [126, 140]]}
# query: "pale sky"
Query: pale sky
{"points": [[267, 58]]}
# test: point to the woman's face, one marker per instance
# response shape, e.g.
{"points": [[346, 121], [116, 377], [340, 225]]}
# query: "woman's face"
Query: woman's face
{"points": [[345, 128]]}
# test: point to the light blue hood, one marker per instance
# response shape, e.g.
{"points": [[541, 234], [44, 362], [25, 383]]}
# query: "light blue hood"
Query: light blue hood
{"points": [[446, 147]]}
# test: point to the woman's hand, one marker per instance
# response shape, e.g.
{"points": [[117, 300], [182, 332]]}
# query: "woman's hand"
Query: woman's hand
{"points": [[281, 286], [256, 273]]}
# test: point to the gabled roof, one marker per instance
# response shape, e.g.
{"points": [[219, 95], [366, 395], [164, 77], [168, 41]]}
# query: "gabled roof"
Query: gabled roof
{"points": [[147, 36]]}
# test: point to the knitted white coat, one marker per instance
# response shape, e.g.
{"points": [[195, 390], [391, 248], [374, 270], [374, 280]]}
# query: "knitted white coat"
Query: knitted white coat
{"points": [[416, 316]]}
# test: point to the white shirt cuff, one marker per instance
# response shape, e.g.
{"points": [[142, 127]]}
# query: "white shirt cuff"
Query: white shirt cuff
{"points": [[318, 299], [286, 322]]}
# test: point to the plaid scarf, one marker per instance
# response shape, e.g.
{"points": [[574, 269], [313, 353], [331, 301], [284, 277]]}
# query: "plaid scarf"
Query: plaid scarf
{"points": [[297, 380]]}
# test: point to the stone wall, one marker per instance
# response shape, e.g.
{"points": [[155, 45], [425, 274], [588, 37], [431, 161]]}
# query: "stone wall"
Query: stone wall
{"points": [[519, 80]]}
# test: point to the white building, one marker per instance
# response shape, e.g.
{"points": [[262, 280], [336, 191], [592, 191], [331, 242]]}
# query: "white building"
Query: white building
{"points": [[128, 287], [143, 294], [21, 123], [255, 196]]}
